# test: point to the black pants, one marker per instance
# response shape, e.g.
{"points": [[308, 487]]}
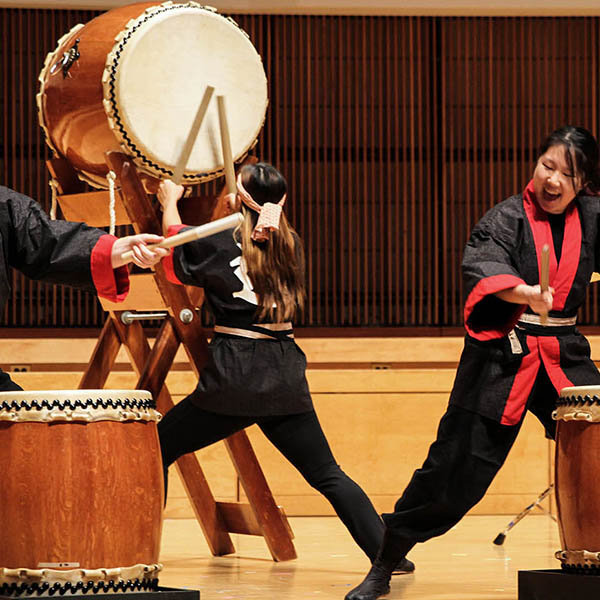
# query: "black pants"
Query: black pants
{"points": [[186, 428], [461, 464]]}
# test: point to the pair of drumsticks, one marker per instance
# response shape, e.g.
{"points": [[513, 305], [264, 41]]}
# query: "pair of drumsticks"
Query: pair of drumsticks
{"points": [[217, 225]]}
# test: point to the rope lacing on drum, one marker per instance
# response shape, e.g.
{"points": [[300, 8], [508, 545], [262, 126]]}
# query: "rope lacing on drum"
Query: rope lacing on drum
{"points": [[111, 177], [117, 117], [123, 403], [577, 400], [27, 589], [54, 187], [581, 569]]}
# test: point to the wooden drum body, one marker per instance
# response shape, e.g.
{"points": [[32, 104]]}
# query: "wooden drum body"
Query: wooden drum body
{"points": [[578, 478], [82, 491], [132, 80]]}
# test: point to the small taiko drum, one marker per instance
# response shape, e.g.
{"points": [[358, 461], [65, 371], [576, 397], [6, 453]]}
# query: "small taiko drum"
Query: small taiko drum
{"points": [[132, 80], [577, 478], [81, 497]]}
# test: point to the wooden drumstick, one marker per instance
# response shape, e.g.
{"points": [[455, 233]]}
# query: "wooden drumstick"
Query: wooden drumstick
{"points": [[189, 235], [545, 278], [226, 145], [192, 135]]}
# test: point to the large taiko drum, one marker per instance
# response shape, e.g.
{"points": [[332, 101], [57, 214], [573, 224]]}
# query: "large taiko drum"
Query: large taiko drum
{"points": [[132, 80], [577, 478], [82, 493]]}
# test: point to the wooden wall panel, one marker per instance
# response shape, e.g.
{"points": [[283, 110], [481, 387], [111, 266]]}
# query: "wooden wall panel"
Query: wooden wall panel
{"points": [[395, 133]]}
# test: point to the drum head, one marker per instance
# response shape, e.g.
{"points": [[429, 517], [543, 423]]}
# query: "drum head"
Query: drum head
{"points": [[155, 78]]}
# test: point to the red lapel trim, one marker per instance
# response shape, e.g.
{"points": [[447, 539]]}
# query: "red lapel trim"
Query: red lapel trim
{"points": [[550, 352], [522, 385], [562, 275], [569, 258], [541, 348]]}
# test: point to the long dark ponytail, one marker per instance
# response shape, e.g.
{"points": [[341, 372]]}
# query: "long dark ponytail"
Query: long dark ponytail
{"points": [[275, 266]]}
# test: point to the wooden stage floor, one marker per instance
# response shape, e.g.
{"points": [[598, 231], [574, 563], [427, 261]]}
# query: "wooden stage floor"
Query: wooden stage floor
{"points": [[464, 564]]}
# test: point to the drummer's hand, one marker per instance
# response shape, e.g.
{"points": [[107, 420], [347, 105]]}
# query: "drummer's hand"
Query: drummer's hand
{"points": [[142, 255], [169, 193], [540, 302], [232, 202]]}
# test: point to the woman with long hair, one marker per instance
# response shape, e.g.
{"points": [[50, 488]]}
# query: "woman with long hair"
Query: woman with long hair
{"points": [[253, 280]]}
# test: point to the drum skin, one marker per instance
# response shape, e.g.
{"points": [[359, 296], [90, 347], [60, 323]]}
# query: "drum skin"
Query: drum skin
{"points": [[71, 106], [578, 484], [75, 492]]}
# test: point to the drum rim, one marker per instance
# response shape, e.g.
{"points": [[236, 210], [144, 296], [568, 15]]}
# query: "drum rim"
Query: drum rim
{"points": [[82, 393], [77, 406], [580, 390], [59, 578], [43, 78]]}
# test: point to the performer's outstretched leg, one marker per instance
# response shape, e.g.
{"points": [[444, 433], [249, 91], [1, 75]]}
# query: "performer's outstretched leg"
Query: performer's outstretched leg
{"points": [[187, 428], [302, 441], [462, 462]]}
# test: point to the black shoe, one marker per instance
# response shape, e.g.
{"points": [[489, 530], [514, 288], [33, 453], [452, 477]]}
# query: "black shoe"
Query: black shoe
{"points": [[404, 566], [374, 585]]}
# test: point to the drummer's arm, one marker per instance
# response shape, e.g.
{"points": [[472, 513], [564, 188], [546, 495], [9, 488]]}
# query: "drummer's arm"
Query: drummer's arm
{"points": [[539, 301], [168, 195]]}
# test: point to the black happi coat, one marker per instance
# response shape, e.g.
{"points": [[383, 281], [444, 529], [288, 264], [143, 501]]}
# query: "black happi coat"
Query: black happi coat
{"points": [[55, 251], [501, 358], [251, 377]]}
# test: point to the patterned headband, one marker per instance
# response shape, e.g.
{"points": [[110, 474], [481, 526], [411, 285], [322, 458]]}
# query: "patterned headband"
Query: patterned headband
{"points": [[269, 214]]}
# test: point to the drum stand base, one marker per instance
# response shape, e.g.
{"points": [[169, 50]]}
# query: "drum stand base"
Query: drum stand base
{"points": [[161, 593], [555, 584]]}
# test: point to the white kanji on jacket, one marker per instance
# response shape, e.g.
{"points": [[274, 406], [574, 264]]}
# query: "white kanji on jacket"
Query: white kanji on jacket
{"points": [[241, 272]]}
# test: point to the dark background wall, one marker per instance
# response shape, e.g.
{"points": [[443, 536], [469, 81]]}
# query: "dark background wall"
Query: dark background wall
{"points": [[395, 133]]}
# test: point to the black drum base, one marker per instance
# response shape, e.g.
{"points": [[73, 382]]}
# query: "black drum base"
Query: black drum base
{"points": [[556, 584], [161, 593]]}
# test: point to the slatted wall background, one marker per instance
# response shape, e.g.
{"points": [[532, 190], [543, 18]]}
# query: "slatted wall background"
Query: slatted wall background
{"points": [[395, 133]]}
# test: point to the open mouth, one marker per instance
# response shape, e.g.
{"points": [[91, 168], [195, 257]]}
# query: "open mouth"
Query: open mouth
{"points": [[551, 197]]}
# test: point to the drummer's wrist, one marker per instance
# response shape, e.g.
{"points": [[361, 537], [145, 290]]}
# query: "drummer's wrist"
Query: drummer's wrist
{"points": [[519, 294], [170, 217]]}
